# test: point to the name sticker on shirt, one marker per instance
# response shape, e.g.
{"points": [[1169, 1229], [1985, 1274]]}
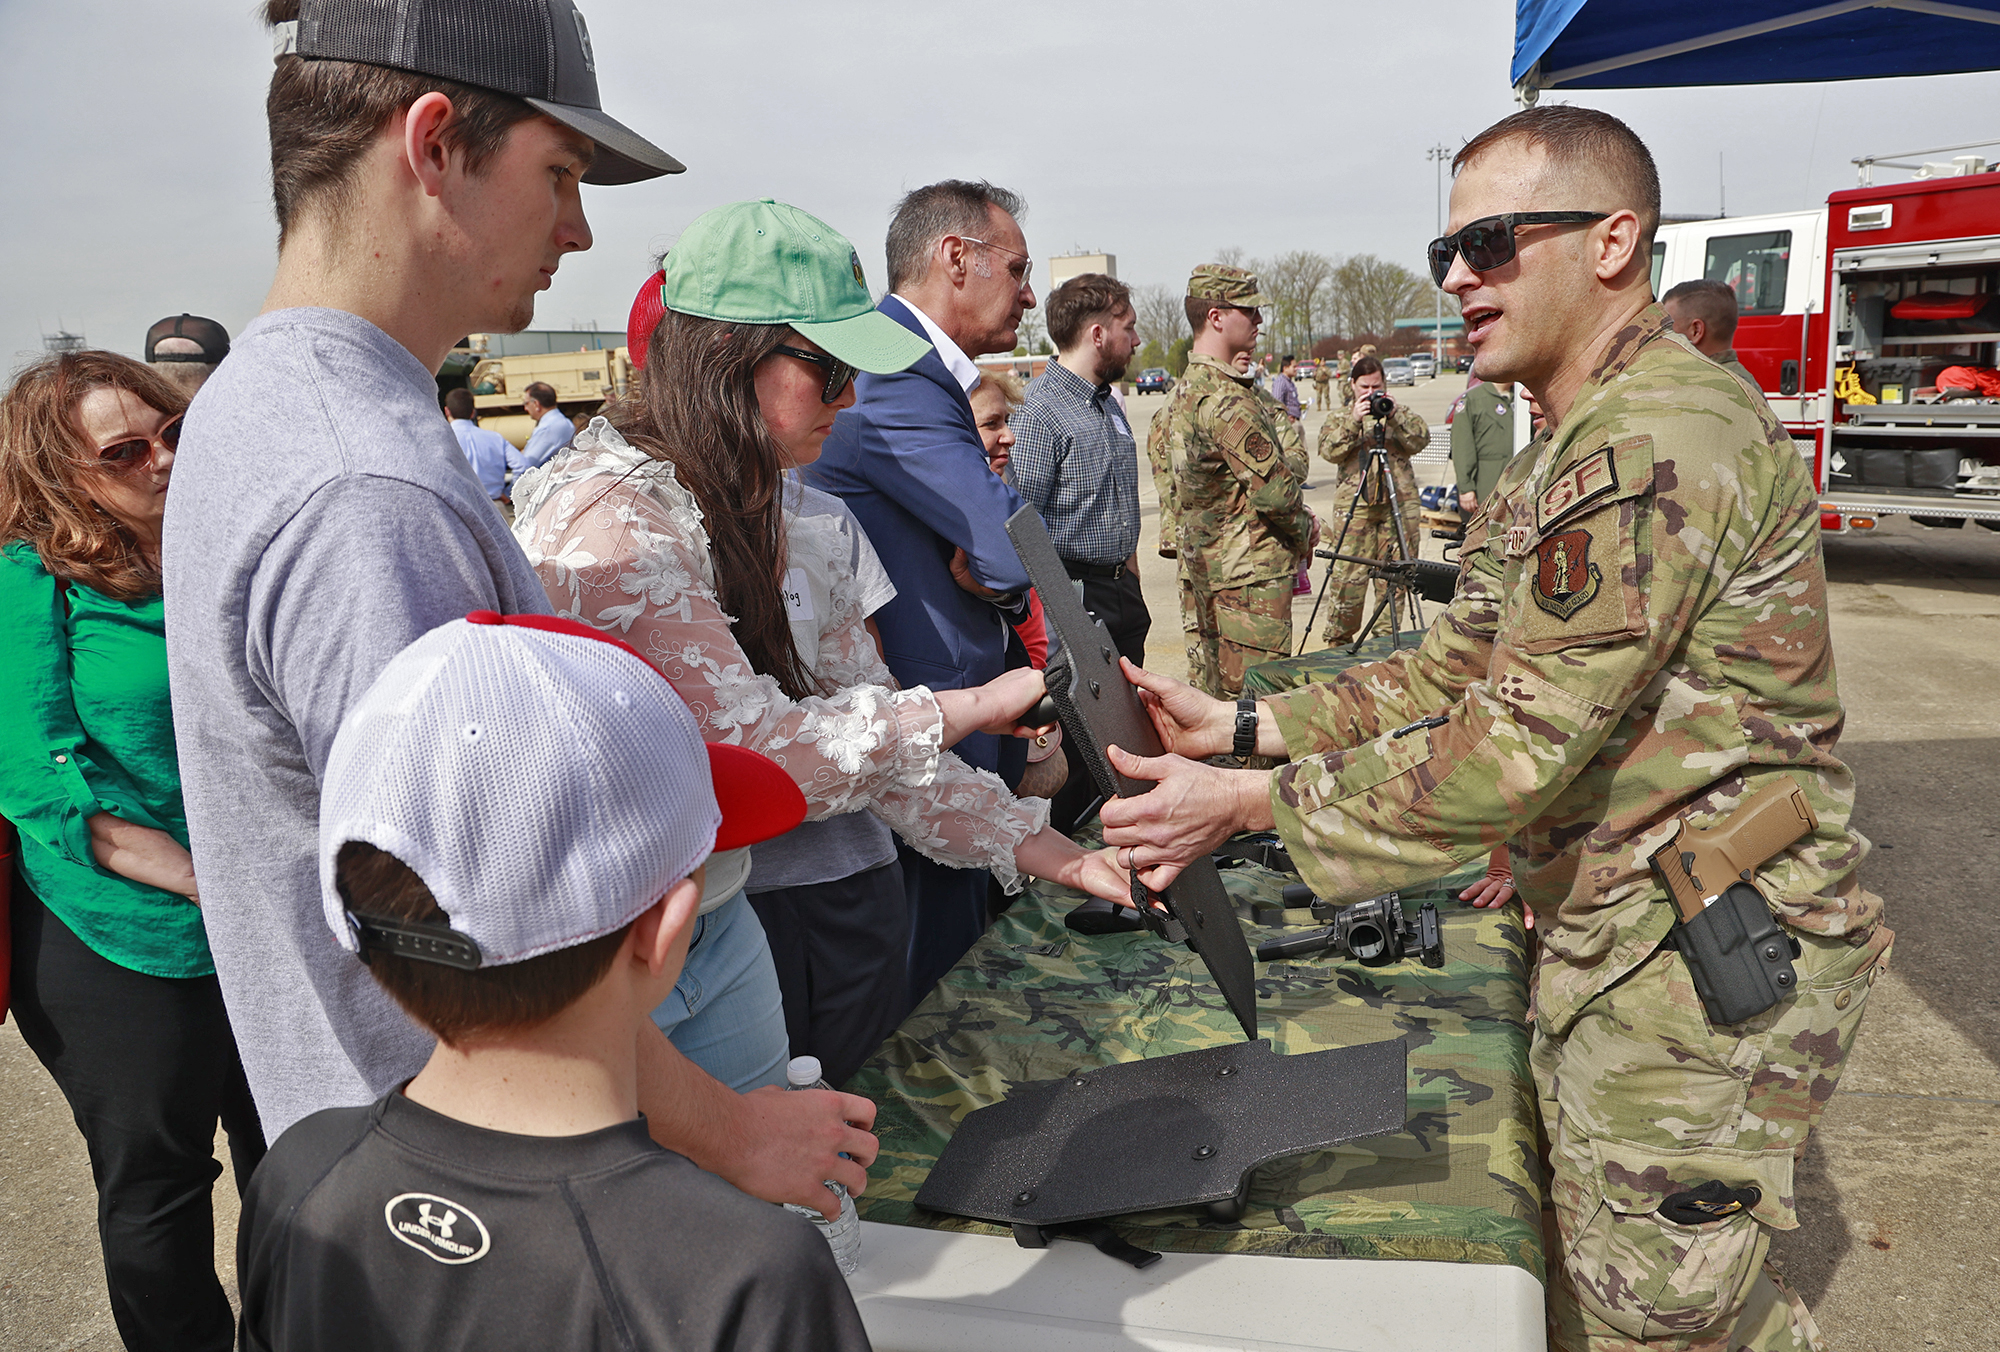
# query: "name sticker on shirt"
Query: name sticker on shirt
{"points": [[1118, 421], [798, 596]]}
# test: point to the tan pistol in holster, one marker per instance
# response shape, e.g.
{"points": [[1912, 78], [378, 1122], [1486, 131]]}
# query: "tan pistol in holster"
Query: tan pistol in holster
{"points": [[1739, 958]]}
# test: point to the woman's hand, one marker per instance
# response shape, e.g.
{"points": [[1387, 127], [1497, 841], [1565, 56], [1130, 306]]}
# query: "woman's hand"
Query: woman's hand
{"points": [[1497, 887], [1050, 854], [142, 854], [996, 707]]}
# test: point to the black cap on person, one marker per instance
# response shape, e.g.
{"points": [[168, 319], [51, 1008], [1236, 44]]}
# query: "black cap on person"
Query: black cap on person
{"points": [[536, 50], [209, 336]]}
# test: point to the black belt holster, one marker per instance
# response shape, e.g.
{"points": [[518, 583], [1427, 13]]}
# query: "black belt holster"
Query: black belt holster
{"points": [[1739, 958]]}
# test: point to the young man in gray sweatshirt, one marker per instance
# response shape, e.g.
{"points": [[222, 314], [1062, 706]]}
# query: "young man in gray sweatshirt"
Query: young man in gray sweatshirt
{"points": [[426, 162]]}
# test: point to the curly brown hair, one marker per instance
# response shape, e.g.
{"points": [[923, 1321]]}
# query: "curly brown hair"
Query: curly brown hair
{"points": [[697, 408], [45, 461]]}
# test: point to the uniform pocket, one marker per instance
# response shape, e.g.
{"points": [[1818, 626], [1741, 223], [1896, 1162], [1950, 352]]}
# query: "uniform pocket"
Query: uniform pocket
{"points": [[1650, 1277]]}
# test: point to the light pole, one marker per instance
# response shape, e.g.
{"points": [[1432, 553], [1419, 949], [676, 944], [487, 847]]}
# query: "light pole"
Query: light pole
{"points": [[1438, 155]]}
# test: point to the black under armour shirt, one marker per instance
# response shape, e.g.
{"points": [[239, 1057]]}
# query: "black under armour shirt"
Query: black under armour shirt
{"points": [[391, 1227]]}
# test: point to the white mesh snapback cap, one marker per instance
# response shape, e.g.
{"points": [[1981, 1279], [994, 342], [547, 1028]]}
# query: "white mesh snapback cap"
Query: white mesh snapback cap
{"points": [[544, 781]]}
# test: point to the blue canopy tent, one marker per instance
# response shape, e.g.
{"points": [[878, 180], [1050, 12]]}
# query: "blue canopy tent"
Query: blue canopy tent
{"points": [[1617, 44]]}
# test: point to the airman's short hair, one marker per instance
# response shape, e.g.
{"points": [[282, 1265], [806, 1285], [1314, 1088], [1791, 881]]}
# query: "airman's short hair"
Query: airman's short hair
{"points": [[1712, 302], [1581, 144]]}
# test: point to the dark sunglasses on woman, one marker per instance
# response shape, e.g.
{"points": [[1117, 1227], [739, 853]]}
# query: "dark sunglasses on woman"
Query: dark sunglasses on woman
{"points": [[838, 372], [1488, 242], [122, 456]]}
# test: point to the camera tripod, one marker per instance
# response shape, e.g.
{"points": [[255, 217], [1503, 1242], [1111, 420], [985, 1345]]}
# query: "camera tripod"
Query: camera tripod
{"points": [[1396, 576]]}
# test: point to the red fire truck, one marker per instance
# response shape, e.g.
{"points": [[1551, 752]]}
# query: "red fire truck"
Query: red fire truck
{"points": [[1881, 289]]}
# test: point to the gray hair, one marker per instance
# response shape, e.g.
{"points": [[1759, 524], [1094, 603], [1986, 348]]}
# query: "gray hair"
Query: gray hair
{"points": [[954, 207], [187, 376]]}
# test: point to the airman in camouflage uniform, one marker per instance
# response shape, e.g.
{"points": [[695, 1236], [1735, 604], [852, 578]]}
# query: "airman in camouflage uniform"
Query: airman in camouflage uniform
{"points": [[1344, 442], [1322, 382], [1235, 510], [1639, 638]]}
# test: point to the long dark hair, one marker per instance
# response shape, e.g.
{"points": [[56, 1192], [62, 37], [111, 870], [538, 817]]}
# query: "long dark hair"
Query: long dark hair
{"points": [[697, 409], [46, 462]]}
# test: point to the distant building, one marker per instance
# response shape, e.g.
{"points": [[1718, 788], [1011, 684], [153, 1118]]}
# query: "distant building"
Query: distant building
{"points": [[1075, 265], [62, 340]]}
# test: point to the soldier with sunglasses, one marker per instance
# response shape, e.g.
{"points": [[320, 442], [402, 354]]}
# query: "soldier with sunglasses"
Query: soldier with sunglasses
{"points": [[1639, 643]]}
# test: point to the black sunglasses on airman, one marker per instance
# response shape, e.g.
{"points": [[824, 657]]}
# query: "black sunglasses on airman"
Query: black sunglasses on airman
{"points": [[838, 372], [1489, 241]]}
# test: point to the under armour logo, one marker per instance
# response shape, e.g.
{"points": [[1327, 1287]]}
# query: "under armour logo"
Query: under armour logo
{"points": [[437, 1227]]}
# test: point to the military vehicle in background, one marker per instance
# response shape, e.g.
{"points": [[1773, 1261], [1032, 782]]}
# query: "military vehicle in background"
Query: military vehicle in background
{"points": [[584, 367]]}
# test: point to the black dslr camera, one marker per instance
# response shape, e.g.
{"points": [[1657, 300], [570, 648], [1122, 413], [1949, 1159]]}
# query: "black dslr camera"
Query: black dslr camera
{"points": [[1380, 405], [1375, 932]]}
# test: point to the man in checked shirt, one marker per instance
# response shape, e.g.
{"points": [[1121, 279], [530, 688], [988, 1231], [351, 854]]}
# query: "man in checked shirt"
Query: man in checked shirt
{"points": [[1074, 460]]}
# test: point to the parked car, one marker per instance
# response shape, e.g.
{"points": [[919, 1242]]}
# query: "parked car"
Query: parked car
{"points": [[1464, 364], [1423, 364], [1154, 380], [1397, 371]]}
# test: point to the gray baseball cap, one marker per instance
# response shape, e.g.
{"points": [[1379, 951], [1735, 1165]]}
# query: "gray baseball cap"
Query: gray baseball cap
{"points": [[536, 50]]}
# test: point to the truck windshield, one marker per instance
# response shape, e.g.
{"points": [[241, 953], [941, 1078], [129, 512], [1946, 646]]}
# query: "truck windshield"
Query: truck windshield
{"points": [[1754, 266]]}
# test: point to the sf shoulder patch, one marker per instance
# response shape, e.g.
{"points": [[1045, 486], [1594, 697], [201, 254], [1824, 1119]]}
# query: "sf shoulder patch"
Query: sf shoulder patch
{"points": [[1565, 578], [1593, 477]]}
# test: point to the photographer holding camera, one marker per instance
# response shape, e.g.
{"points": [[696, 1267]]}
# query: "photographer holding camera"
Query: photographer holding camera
{"points": [[1344, 441]]}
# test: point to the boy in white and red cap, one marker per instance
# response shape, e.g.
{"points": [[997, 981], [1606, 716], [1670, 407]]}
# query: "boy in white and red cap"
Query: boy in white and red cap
{"points": [[512, 836]]}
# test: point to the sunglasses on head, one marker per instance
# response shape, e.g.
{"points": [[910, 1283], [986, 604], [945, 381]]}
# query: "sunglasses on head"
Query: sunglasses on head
{"points": [[1488, 242], [136, 452], [838, 372]]}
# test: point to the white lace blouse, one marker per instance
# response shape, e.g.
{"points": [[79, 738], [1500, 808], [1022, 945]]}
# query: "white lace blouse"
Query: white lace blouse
{"points": [[619, 545]]}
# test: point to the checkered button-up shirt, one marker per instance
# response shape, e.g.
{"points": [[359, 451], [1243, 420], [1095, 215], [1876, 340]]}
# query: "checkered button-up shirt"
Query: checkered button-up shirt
{"points": [[1074, 462]]}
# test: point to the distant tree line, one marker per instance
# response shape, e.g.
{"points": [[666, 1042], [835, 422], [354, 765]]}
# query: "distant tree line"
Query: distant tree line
{"points": [[1320, 305]]}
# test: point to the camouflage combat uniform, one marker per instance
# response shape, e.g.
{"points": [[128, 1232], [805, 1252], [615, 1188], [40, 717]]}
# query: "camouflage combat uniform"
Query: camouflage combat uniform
{"points": [[1344, 442], [1322, 379], [1640, 636]]}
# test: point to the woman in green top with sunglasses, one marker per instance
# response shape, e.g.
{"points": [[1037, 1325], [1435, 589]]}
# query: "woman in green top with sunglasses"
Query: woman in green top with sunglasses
{"points": [[111, 981]]}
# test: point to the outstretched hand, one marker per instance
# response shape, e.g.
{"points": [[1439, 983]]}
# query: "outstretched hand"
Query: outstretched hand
{"points": [[1192, 809], [1189, 723]]}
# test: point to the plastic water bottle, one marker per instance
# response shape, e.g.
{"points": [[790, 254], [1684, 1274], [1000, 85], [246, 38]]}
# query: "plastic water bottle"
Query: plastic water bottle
{"points": [[843, 1236]]}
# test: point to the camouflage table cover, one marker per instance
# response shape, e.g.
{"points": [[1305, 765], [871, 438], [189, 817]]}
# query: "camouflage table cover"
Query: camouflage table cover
{"points": [[1272, 678], [1034, 1000]]}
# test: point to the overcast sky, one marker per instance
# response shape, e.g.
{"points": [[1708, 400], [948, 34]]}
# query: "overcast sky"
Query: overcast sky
{"points": [[137, 166]]}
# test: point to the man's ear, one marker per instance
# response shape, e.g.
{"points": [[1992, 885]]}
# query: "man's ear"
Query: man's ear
{"points": [[1616, 242], [1695, 330], [424, 149], [951, 251], [657, 933]]}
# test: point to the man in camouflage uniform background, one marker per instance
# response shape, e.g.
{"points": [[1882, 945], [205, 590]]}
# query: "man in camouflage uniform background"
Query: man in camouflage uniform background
{"points": [[1640, 640], [1230, 469], [1345, 441], [1322, 383]]}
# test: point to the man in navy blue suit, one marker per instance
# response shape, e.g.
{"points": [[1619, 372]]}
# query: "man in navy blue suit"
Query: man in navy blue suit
{"points": [[908, 461]]}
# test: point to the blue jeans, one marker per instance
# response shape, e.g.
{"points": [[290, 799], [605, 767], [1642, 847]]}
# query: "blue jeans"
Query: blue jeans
{"points": [[726, 1014]]}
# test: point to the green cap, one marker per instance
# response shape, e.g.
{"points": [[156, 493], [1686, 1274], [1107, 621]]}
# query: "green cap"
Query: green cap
{"points": [[1229, 286], [768, 263]]}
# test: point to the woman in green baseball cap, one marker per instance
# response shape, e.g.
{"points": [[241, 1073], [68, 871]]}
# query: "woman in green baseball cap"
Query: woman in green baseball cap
{"points": [[674, 524]]}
